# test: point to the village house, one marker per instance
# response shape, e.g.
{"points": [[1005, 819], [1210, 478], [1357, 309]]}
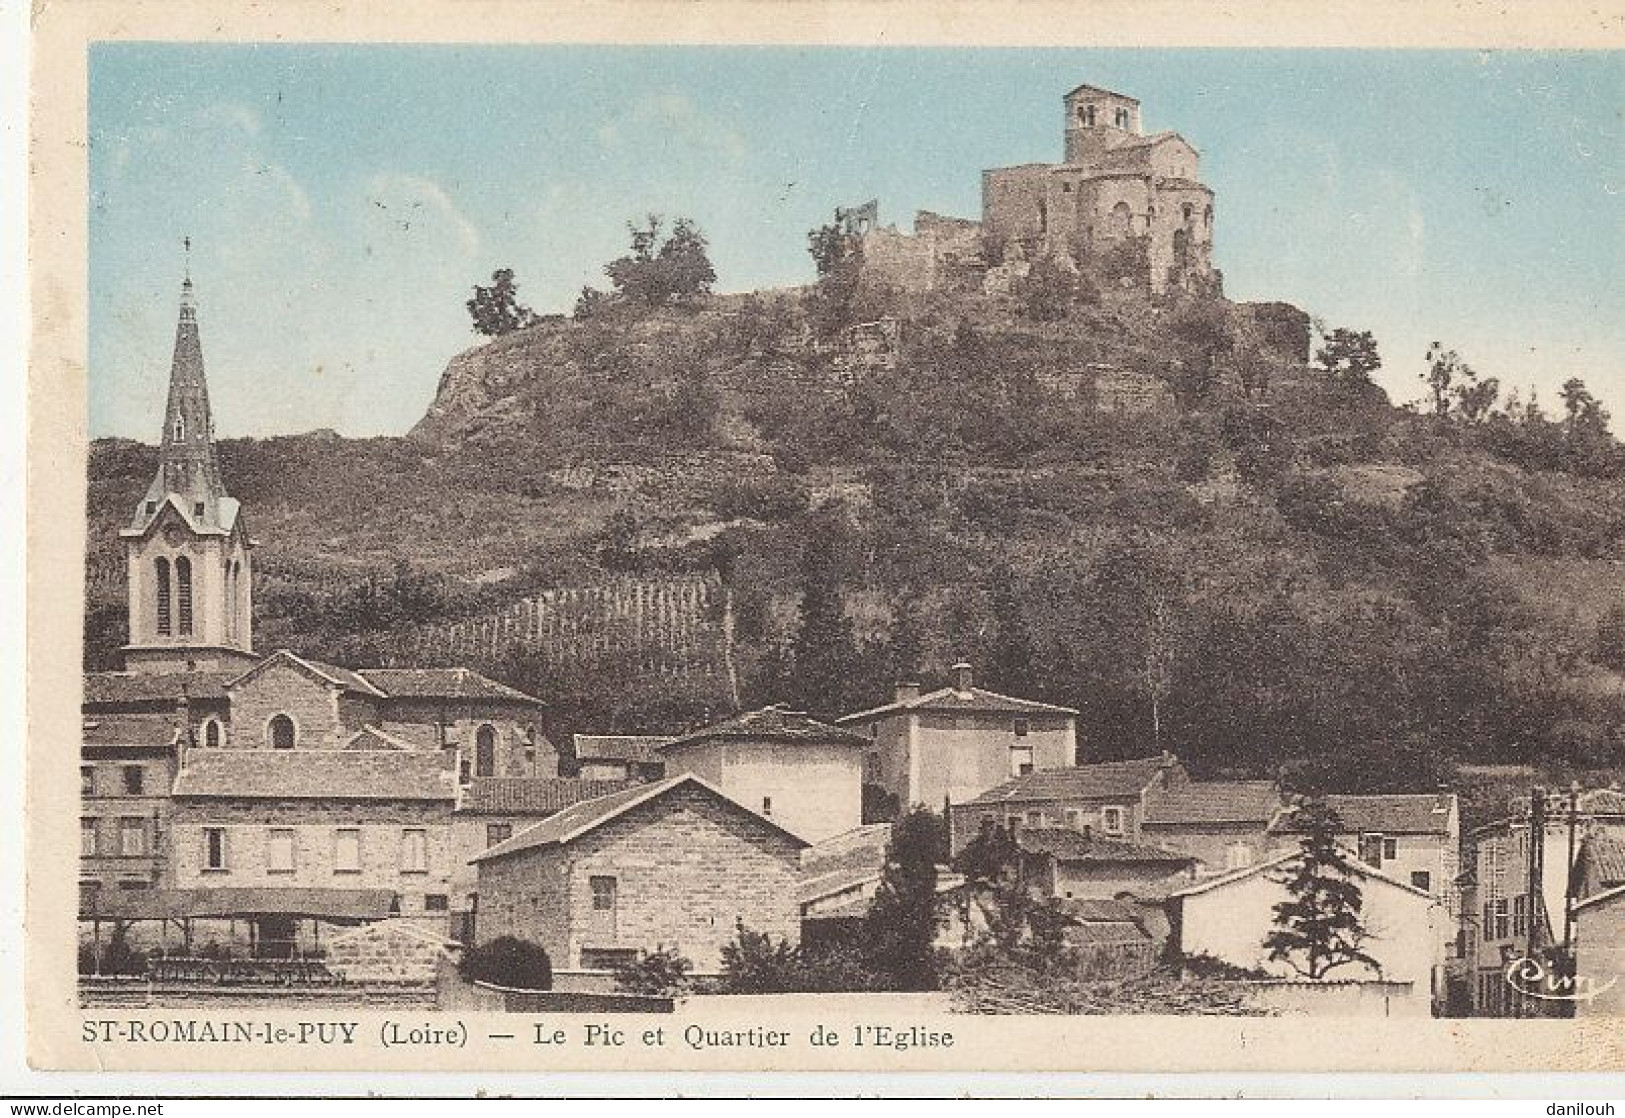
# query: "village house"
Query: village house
{"points": [[1084, 865], [1223, 824], [126, 768], [954, 743], [1228, 917], [618, 757], [674, 864], [490, 811], [1109, 798], [804, 775], [1521, 885], [334, 824]]}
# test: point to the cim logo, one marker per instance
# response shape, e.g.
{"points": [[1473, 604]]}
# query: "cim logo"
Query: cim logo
{"points": [[1535, 978]]}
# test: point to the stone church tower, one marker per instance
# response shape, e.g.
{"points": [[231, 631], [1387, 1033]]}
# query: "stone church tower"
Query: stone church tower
{"points": [[189, 573]]}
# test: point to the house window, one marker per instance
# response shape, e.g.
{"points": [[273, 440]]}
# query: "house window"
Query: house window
{"points": [[152, 507], [197, 509], [212, 735], [497, 832], [214, 848], [279, 850], [603, 893], [132, 836], [485, 751], [1021, 760], [1112, 820], [1066, 187], [161, 570], [1012, 823], [436, 902], [1423, 880], [134, 780], [347, 850], [1372, 849], [1034, 819], [87, 837], [414, 850], [1238, 856], [282, 732], [1503, 929], [87, 780], [1074, 818], [1520, 915], [183, 594], [1390, 849], [767, 805], [1122, 118], [1022, 727]]}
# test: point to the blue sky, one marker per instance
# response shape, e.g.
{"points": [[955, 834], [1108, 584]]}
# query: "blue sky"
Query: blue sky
{"points": [[343, 199]]}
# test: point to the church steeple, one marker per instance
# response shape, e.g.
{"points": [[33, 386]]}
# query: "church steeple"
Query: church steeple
{"points": [[189, 577]]}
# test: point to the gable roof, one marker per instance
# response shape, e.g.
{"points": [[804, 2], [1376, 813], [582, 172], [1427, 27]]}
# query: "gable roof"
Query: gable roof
{"points": [[315, 774], [1066, 845], [582, 818], [1359, 868], [946, 699], [1213, 801], [636, 748], [1104, 781], [1420, 813], [772, 724], [371, 737], [327, 673], [1073, 92], [520, 795], [156, 731], [116, 688], [225, 511], [441, 683]]}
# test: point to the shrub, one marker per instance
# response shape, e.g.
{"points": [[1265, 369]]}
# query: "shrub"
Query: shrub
{"points": [[661, 972], [757, 964], [508, 961]]}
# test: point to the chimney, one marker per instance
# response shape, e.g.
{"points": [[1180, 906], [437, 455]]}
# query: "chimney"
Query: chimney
{"points": [[906, 691], [961, 675]]}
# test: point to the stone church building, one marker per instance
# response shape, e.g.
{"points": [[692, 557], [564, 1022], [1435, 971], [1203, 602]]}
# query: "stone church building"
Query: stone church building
{"points": [[295, 788]]}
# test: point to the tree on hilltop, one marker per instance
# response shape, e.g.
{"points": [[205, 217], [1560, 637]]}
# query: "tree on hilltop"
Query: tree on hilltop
{"points": [[496, 310], [1348, 357], [662, 270]]}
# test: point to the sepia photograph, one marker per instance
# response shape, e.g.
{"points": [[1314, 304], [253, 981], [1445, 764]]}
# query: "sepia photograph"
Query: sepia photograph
{"points": [[899, 538]]}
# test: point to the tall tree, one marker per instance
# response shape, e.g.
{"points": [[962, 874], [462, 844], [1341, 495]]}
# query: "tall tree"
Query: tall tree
{"points": [[1348, 357], [1318, 927], [899, 934], [496, 310], [824, 651]]}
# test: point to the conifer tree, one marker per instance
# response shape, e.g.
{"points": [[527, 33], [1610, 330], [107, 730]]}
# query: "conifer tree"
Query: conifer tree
{"points": [[899, 934], [824, 651], [1318, 928]]}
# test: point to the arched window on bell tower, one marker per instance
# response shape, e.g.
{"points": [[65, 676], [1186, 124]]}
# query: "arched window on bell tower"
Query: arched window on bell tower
{"points": [[160, 569], [183, 594]]}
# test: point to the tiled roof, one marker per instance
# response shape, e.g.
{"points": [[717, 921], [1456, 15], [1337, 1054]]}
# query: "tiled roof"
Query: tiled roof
{"points": [[1422, 813], [1068, 845], [1104, 934], [332, 673], [619, 747], [774, 724], [1103, 92], [861, 846], [1109, 780], [974, 700], [1357, 867], [114, 688], [1603, 801], [441, 683], [1101, 910], [588, 815], [371, 737], [308, 774], [148, 730], [1214, 801], [239, 901], [1186, 184], [1606, 857], [518, 795]]}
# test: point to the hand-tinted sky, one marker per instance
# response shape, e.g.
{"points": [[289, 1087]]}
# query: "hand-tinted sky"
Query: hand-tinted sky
{"points": [[341, 200]]}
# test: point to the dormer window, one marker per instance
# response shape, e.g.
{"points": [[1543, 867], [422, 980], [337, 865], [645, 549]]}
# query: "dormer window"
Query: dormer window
{"points": [[1022, 727], [1112, 820], [197, 509], [152, 507]]}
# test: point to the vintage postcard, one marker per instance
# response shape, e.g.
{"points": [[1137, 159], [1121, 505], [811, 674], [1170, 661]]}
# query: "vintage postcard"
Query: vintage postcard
{"points": [[771, 537]]}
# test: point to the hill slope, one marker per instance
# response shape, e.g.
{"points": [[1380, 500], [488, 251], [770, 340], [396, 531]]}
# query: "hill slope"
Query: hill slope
{"points": [[1239, 561]]}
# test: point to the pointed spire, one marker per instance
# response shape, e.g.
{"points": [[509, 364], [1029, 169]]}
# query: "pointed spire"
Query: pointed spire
{"points": [[187, 465]]}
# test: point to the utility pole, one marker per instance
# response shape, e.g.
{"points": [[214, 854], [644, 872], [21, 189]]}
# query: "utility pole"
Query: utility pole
{"points": [[1569, 886]]}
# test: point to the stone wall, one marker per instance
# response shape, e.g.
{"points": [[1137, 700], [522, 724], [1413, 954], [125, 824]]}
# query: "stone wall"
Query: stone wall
{"points": [[401, 951], [312, 703]]}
